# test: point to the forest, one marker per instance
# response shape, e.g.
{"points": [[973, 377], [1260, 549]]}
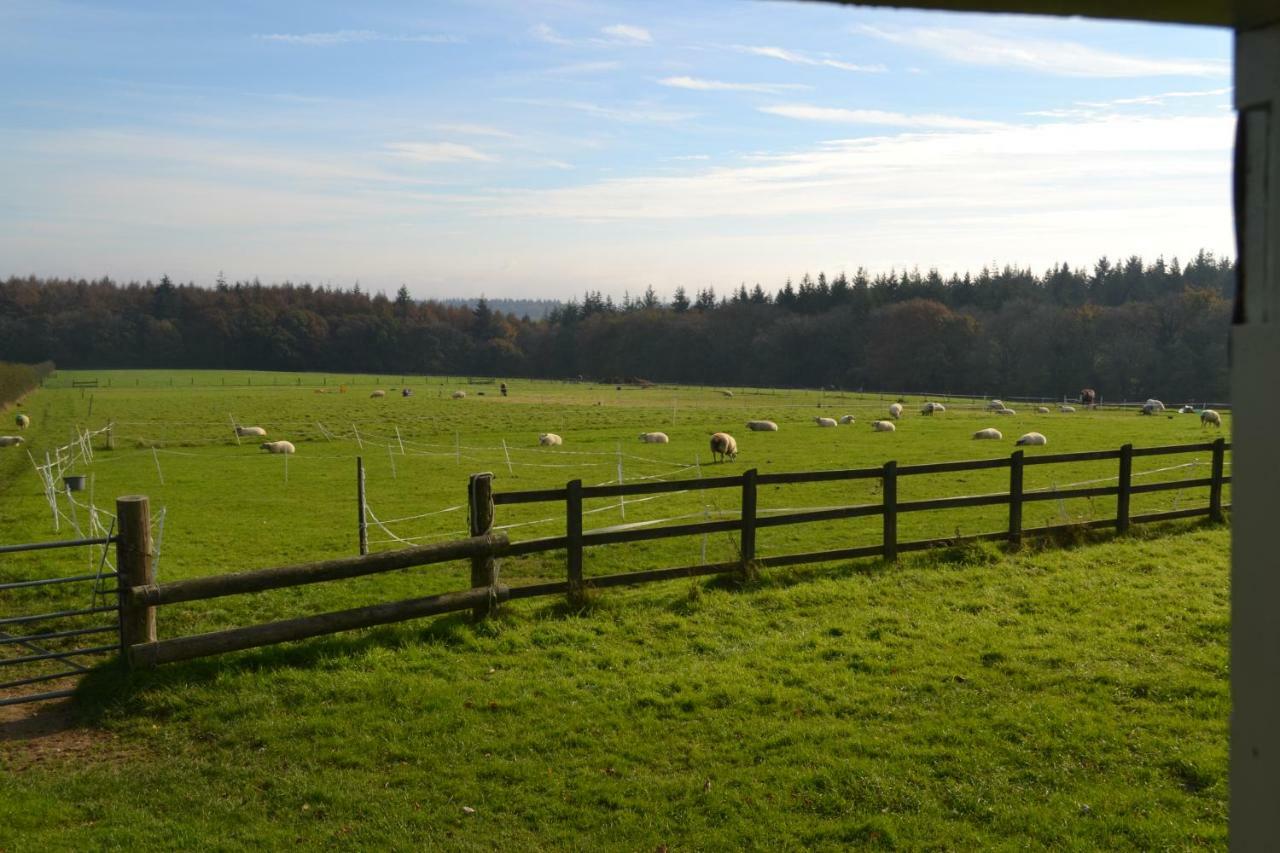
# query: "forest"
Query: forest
{"points": [[1131, 329]]}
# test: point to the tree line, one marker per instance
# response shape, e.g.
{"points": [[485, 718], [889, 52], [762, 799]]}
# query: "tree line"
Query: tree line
{"points": [[1130, 329]]}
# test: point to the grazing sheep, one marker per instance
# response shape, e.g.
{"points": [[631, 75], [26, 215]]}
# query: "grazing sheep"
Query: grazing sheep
{"points": [[550, 439], [1152, 406], [378, 393], [242, 432], [1032, 438], [1209, 416], [726, 393], [895, 410], [1006, 411], [277, 446], [1042, 410], [723, 444], [931, 408], [322, 391], [23, 421], [11, 440], [847, 419], [989, 432], [825, 422], [458, 395], [654, 437], [1188, 409], [995, 405], [762, 426], [883, 426], [1066, 409]]}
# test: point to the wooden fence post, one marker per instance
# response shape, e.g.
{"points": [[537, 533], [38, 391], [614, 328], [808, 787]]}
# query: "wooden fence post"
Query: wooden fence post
{"points": [[484, 568], [1015, 498], [363, 516], [748, 520], [573, 537], [1215, 488], [1126, 483], [134, 568], [890, 489]]}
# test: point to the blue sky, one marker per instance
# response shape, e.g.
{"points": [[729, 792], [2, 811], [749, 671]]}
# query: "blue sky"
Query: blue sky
{"points": [[541, 148]]}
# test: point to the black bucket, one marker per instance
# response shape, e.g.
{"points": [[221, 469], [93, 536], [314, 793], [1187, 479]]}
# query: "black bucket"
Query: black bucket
{"points": [[74, 482]]}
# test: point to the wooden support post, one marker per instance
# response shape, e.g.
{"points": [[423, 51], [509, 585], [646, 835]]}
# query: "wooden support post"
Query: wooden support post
{"points": [[133, 563], [1015, 498], [484, 568], [1215, 489], [748, 521], [573, 539], [890, 490], [363, 520], [1126, 483]]}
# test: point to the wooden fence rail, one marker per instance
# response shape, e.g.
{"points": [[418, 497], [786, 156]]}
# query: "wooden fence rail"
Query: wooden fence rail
{"points": [[140, 595]]}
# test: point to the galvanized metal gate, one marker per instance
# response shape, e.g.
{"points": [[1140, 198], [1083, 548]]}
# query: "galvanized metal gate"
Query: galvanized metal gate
{"points": [[53, 629]]}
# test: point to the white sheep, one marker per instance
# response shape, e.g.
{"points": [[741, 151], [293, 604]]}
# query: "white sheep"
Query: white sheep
{"points": [[989, 432], [1066, 409], [1152, 406], [23, 421], [654, 437], [895, 410], [995, 405], [726, 393], [277, 446], [762, 426], [724, 444], [825, 422], [1006, 411], [11, 440], [931, 408], [248, 431], [847, 419], [1032, 438], [1042, 410], [1187, 410], [1209, 416], [883, 426], [458, 395], [378, 393], [550, 439]]}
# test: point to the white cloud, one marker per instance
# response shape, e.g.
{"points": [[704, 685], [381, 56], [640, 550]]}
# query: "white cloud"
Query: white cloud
{"points": [[575, 68], [475, 130], [700, 85], [544, 33], [1048, 56], [634, 113], [1157, 100], [797, 58], [337, 37], [628, 33], [438, 152], [808, 112]]}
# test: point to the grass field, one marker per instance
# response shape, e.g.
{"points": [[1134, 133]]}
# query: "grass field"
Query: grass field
{"points": [[966, 699]]}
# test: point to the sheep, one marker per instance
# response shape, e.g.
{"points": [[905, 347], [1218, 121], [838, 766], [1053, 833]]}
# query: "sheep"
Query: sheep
{"points": [[762, 426], [550, 439], [847, 419], [1042, 410], [995, 405], [1151, 407], [1088, 397], [726, 393], [825, 422], [1188, 409], [242, 432], [895, 410], [723, 444], [654, 437], [377, 394], [11, 440], [277, 446], [1006, 411], [1209, 416], [883, 426], [1032, 438], [458, 395], [406, 392], [23, 421], [1066, 409], [930, 408], [989, 432]]}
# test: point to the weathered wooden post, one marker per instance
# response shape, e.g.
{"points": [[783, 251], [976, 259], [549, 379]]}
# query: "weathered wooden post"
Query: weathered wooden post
{"points": [[1126, 484], [890, 491], [484, 568], [748, 522], [573, 540], [1015, 498], [1215, 488], [134, 568], [360, 507]]}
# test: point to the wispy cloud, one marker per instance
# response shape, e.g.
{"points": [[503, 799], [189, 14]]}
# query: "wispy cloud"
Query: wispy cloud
{"points": [[808, 112], [1157, 100], [627, 113], [1065, 58], [797, 58], [576, 68], [338, 37], [475, 130], [613, 35], [438, 152], [544, 33], [698, 84], [628, 33]]}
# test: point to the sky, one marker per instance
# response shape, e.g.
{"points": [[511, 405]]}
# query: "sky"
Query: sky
{"points": [[543, 148]]}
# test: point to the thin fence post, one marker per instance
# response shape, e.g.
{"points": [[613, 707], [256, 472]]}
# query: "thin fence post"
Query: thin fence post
{"points": [[573, 539], [1215, 488], [890, 492], [134, 567], [360, 507], [1126, 484], [484, 568], [748, 520], [1015, 498]]}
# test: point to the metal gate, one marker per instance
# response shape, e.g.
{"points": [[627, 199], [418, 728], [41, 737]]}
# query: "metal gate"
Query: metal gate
{"points": [[52, 629]]}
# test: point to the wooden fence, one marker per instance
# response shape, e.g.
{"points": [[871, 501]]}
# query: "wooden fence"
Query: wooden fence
{"points": [[141, 595]]}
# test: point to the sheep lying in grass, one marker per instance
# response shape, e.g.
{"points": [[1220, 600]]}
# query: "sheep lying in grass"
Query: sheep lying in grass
{"points": [[458, 395], [1042, 410], [11, 440], [847, 419], [243, 432], [989, 432], [932, 408], [724, 445], [995, 405], [1209, 416], [825, 422], [883, 426], [762, 426], [895, 410], [378, 393], [1032, 438], [277, 446], [654, 437], [1066, 409], [22, 420], [550, 439], [1006, 411]]}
